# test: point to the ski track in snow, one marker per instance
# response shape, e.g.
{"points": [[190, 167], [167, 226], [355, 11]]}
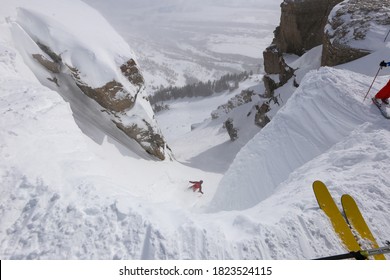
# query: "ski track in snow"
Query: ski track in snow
{"points": [[64, 196]]}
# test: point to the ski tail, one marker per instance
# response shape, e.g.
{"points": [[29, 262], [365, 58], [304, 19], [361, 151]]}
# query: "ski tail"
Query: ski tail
{"points": [[358, 223], [327, 204]]}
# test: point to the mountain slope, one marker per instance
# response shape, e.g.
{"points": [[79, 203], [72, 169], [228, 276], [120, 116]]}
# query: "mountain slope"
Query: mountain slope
{"points": [[70, 59], [306, 127], [64, 196], [46, 211]]}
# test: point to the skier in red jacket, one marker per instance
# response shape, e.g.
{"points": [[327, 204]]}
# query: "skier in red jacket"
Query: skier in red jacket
{"points": [[196, 186], [384, 93]]}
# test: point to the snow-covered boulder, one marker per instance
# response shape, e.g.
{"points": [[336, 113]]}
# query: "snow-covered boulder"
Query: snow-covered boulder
{"points": [[355, 28], [74, 56]]}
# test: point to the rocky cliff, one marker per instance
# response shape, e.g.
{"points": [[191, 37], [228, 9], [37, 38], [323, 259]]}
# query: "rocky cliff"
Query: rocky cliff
{"points": [[301, 24], [346, 30], [301, 28], [340, 26]]}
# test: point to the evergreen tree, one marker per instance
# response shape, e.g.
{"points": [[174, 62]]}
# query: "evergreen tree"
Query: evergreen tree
{"points": [[199, 89]]}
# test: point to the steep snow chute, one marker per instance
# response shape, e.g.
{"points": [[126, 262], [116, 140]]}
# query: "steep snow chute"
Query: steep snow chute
{"points": [[326, 108]]}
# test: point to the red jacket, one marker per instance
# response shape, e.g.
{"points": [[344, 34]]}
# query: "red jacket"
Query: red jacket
{"points": [[196, 186]]}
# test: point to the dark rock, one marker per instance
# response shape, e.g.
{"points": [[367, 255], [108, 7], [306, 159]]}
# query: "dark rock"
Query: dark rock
{"points": [[55, 57], [271, 58], [111, 96], [301, 28], [261, 118], [232, 131], [153, 143], [335, 53], [53, 67], [270, 86], [132, 73], [302, 24], [285, 74]]}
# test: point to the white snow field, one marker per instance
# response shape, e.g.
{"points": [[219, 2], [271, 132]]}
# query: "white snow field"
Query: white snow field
{"points": [[64, 195]]}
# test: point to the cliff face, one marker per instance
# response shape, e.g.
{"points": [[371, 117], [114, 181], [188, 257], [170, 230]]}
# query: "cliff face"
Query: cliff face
{"points": [[102, 67], [348, 26], [343, 30], [301, 28], [340, 26], [302, 24]]}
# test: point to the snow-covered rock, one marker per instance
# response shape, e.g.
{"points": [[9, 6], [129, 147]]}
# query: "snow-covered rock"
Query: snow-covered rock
{"points": [[100, 64], [355, 28]]}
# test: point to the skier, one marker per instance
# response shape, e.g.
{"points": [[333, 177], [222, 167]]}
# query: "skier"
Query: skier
{"points": [[384, 93], [196, 186]]}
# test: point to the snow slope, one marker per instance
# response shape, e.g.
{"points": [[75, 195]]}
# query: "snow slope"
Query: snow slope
{"points": [[64, 196], [198, 140], [305, 128], [57, 183], [74, 207]]}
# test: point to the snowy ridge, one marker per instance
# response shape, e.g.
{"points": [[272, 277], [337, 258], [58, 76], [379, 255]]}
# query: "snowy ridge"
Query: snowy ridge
{"points": [[70, 59], [98, 55], [64, 196], [322, 111]]}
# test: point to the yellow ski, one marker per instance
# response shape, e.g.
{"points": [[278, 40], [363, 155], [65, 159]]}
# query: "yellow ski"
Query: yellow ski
{"points": [[327, 204], [357, 222]]}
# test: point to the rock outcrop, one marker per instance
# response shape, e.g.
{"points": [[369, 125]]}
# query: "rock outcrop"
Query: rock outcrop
{"points": [[340, 26], [232, 131], [261, 118], [242, 98], [348, 26], [111, 96], [103, 71], [301, 28], [115, 98], [301, 24], [133, 74]]}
